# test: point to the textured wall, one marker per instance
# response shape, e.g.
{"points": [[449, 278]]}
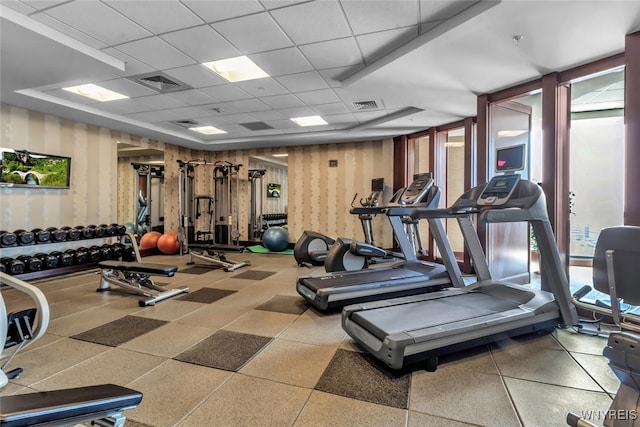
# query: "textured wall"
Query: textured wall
{"points": [[90, 200], [275, 174]]}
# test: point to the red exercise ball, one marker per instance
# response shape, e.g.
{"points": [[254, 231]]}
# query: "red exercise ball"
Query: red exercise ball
{"points": [[150, 240], [168, 243]]}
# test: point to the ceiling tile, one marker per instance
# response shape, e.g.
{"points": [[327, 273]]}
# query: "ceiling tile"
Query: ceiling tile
{"points": [[124, 106], [70, 96], [296, 112], [98, 21], [276, 4], [249, 105], [192, 97], [19, 6], [334, 76], [333, 108], [227, 92], [162, 101], [231, 119], [42, 4], [68, 30], [218, 10], [284, 124], [314, 97], [264, 33], [439, 10], [157, 16], [223, 107], [302, 81], [333, 53], [201, 43], [313, 22], [282, 61], [371, 16], [156, 53], [282, 101], [127, 87], [188, 113], [132, 66], [376, 45], [154, 116], [196, 76], [262, 87], [267, 115], [346, 118]]}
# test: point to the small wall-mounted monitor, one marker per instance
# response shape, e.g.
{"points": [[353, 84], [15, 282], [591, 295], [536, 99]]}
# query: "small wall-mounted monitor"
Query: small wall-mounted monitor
{"points": [[511, 159], [21, 168], [377, 184], [273, 190]]}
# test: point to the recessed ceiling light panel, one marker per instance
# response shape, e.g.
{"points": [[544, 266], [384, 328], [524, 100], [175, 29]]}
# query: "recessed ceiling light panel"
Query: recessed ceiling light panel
{"points": [[236, 69], [309, 121], [95, 92], [207, 130]]}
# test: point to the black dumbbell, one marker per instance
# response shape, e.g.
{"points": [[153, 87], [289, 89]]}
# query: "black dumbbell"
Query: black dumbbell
{"points": [[8, 238], [80, 255], [109, 230], [65, 259], [120, 229], [31, 263], [25, 237], [105, 252], [93, 254], [117, 249], [128, 253], [48, 260], [41, 236], [98, 231], [85, 232], [72, 233], [12, 266], [57, 235], [3, 268]]}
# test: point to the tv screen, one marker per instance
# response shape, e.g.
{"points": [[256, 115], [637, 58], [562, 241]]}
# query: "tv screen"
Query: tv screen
{"points": [[273, 190], [510, 159], [377, 184], [21, 168]]}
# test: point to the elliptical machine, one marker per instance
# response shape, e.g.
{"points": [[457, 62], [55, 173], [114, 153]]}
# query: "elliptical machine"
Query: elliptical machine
{"points": [[311, 248]]}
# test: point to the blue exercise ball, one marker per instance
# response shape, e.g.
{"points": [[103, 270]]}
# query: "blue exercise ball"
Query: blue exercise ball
{"points": [[275, 239]]}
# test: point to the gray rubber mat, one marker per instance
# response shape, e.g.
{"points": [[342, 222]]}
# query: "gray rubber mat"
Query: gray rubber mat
{"points": [[199, 269], [254, 275], [206, 295], [359, 376], [225, 350], [284, 304], [120, 331]]}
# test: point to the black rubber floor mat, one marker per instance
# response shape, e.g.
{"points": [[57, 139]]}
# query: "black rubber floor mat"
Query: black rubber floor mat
{"points": [[120, 331], [206, 295]]}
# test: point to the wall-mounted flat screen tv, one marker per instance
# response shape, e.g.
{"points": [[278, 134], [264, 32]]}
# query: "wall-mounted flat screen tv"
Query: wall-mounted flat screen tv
{"points": [[273, 190], [511, 159], [21, 168]]}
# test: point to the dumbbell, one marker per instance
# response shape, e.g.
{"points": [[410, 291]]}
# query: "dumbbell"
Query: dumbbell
{"points": [[106, 252], [48, 260], [117, 250], [12, 266], [128, 253], [120, 230], [93, 254], [8, 238], [108, 230], [65, 259], [72, 233], [57, 235], [31, 263], [3, 268], [80, 255], [25, 237], [98, 231], [85, 232], [41, 236]]}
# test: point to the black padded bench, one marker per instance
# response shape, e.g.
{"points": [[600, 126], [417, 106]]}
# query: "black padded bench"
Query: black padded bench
{"points": [[134, 277], [68, 407]]}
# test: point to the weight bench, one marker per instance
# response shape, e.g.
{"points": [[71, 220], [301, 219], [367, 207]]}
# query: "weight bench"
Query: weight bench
{"points": [[135, 278], [103, 404], [208, 253]]}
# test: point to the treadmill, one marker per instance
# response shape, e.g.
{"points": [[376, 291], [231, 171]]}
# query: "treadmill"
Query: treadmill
{"points": [[419, 328], [407, 277]]}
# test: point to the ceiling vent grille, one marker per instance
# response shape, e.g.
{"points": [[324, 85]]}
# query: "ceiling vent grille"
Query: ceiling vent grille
{"points": [[365, 105], [185, 123], [256, 126], [160, 82]]}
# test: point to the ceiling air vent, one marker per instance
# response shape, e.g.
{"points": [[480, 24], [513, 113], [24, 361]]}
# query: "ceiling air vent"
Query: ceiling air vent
{"points": [[160, 82], [365, 105], [185, 123], [256, 126]]}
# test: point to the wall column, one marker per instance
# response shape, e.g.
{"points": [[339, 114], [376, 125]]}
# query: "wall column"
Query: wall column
{"points": [[632, 129]]}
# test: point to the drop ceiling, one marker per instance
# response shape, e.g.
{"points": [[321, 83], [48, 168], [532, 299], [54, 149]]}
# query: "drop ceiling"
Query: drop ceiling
{"points": [[371, 69]]}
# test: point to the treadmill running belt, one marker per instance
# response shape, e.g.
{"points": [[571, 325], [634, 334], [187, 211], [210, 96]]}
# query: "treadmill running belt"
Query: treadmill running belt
{"points": [[385, 321], [360, 277]]}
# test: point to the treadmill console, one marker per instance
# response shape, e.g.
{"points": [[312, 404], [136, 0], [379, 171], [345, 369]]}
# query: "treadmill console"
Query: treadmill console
{"points": [[499, 190], [418, 189]]}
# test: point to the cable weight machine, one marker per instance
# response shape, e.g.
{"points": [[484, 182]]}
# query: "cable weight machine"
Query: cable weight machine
{"points": [[222, 207], [255, 207]]}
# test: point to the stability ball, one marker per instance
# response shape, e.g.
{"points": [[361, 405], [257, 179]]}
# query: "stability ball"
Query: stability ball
{"points": [[131, 227], [150, 240], [275, 239], [168, 243]]}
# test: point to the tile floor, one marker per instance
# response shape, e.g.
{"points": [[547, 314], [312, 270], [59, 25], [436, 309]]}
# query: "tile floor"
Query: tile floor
{"points": [[246, 351]]}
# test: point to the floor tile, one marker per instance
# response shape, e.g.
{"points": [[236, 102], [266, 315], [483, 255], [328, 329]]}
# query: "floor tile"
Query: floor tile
{"points": [[530, 397], [172, 390], [461, 395], [316, 330], [477, 359], [120, 331], [582, 343], [284, 304], [258, 322], [224, 350], [290, 363], [205, 295], [168, 340], [214, 316], [598, 368], [253, 275], [169, 310], [417, 419], [360, 377], [324, 409], [248, 401]]}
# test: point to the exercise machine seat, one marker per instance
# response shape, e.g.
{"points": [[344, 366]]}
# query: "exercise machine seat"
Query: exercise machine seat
{"points": [[140, 267]]}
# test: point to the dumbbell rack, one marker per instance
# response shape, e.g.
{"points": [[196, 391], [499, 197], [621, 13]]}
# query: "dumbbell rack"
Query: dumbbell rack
{"points": [[53, 246]]}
